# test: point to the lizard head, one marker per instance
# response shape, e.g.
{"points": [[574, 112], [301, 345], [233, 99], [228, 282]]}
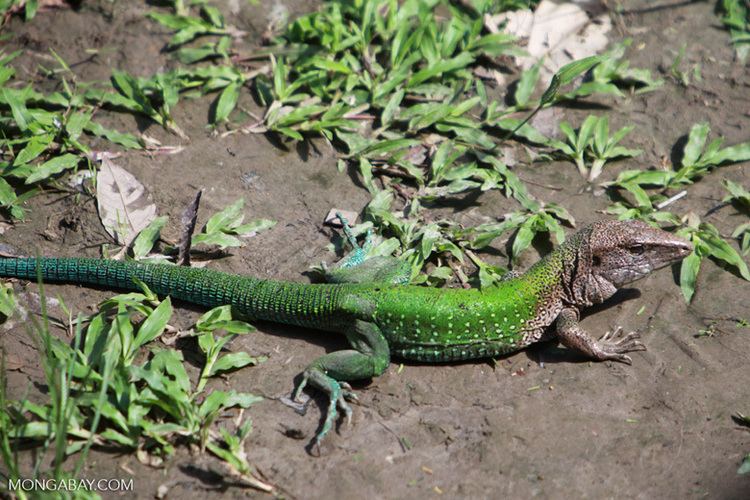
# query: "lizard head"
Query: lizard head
{"points": [[625, 251]]}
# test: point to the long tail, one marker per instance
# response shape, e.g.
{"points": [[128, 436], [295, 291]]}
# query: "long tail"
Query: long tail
{"points": [[279, 301]]}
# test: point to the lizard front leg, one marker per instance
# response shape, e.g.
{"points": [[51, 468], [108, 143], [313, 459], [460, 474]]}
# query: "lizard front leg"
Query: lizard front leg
{"points": [[369, 358], [574, 337]]}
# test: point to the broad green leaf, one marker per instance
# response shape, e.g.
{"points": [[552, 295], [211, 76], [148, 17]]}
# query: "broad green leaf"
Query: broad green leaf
{"points": [[601, 134], [154, 325], [695, 142], [7, 300], [335, 66], [190, 55], [736, 193], [209, 318], [736, 153], [36, 146], [391, 108], [688, 274], [462, 107], [445, 66], [174, 22], [233, 326], [527, 84], [232, 361], [17, 107], [253, 227], [186, 35], [171, 362], [442, 273], [145, 240], [433, 113], [7, 194], [569, 133], [383, 147], [52, 167], [572, 70], [620, 135], [221, 399], [213, 15], [227, 101], [590, 88], [523, 238], [365, 169], [123, 139], [495, 44], [222, 240], [550, 94], [586, 132], [641, 197], [620, 152], [75, 124], [289, 132], [721, 250], [228, 218]]}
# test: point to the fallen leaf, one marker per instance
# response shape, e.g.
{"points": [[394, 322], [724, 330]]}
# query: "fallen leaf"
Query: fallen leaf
{"points": [[125, 207], [188, 219], [13, 362], [557, 33]]}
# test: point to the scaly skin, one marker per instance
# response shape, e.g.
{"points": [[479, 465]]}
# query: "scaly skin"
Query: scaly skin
{"points": [[382, 317]]}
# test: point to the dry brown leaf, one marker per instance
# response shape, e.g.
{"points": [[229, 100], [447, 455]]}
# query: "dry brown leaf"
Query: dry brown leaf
{"points": [[125, 207], [559, 33]]}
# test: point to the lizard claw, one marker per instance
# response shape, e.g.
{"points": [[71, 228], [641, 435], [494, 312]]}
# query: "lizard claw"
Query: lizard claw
{"points": [[609, 335], [613, 346], [338, 393], [622, 358], [348, 393]]}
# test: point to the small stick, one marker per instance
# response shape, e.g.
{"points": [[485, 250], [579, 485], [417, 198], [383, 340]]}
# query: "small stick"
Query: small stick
{"points": [[671, 200]]}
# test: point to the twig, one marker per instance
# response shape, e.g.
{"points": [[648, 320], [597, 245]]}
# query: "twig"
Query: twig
{"points": [[671, 200], [546, 186], [391, 172], [459, 274]]}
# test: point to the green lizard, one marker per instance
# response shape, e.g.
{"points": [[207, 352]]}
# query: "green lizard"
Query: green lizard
{"points": [[381, 316]]}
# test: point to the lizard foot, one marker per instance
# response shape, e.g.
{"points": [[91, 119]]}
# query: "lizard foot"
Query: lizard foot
{"points": [[613, 346], [339, 395]]}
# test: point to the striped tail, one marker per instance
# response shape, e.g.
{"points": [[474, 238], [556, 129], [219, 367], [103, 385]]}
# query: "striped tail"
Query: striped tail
{"points": [[300, 304]]}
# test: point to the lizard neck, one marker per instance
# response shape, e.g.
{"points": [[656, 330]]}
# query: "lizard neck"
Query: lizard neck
{"points": [[568, 275]]}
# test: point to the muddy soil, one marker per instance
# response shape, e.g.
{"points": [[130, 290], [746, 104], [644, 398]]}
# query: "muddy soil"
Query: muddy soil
{"points": [[538, 423]]}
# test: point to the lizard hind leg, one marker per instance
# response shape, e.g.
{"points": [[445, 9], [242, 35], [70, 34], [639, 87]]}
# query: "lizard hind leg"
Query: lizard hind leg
{"points": [[357, 267], [330, 373]]}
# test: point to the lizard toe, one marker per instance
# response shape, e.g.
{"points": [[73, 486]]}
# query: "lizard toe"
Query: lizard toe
{"points": [[345, 408], [629, 337], [622, 358], [611, 334]]}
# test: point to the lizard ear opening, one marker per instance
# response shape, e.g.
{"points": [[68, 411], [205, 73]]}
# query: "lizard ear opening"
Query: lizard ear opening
{"points": [[596, 261]]}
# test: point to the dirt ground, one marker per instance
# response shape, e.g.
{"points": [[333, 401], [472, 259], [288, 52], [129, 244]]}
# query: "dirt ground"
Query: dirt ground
{"points": [[660, 428]]}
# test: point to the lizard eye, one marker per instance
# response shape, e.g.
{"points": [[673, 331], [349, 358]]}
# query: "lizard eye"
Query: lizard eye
{"points": [[636, 249], [596, 260]]}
